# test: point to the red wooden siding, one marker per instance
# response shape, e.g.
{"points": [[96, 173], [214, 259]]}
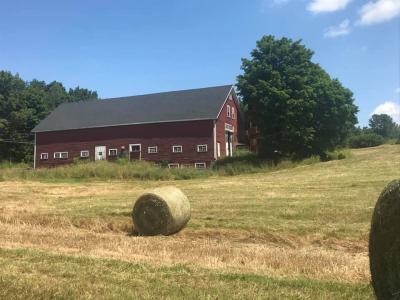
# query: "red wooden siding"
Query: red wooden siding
{"points": [[163, 135], [224, 119]]}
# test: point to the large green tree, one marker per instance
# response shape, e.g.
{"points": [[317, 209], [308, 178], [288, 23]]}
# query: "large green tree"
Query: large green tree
{"points": [[298, 108], [383, 125], [23, 105]]}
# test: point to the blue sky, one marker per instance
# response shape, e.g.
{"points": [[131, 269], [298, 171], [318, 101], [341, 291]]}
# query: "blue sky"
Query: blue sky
{"points": [[122, 48]]}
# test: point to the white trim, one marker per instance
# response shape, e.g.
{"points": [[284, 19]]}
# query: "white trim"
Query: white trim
{"points": [[226, 99], [153, 151], [218, 150], [202, 145], [173, 146], [61, 154], [34, 153], [113, 149], [200, 165], [173, 165], [44, 154], [140, 152], [215, 139], [85, 156]]}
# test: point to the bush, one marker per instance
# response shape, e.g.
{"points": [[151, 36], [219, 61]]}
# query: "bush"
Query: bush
{"points": [[365, 140]]}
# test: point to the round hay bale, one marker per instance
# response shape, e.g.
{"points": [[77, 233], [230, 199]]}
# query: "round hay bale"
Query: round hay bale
{"points": [[384, 243], [161, 211]]}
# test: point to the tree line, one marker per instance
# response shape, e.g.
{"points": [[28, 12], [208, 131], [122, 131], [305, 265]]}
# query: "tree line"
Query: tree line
{"points": [[299, 109], [381, 129], [23, 105]]}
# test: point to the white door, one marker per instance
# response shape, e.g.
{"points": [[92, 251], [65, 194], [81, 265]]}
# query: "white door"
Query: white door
{"points": [[100, 153]]}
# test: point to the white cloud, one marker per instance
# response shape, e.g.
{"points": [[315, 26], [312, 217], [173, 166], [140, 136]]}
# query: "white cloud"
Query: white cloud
{"points": [[390, 108], [379, 11], [340, 30], [318, 6]]}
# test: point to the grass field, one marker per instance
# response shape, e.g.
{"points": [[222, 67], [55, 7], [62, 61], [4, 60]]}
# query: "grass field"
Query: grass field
{"points": [[297, 233]]}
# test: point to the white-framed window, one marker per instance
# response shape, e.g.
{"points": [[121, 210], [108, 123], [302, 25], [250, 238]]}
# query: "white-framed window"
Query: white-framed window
{"points": [[44, 156], [229, 127], [201, 165], [152, 149], [177, 149], [183, 166], [173, 166], [233, 113], [112, 152], [228, 111], [201, 148], [84, 153], [60, 155]]}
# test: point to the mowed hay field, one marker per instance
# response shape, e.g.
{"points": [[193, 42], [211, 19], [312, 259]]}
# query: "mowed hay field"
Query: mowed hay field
{"points": [[299, 233]]}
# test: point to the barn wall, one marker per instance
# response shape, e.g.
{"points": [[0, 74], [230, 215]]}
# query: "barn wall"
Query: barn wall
{"points": [[224, 119], [163, 135]]}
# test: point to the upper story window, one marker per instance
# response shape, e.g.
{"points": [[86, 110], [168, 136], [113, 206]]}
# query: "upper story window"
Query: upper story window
{"points": [[177, 149], [233, 113], [85, 153], [152, 149], [60, 155], [228, 111], [44, 156], [201, 148]]}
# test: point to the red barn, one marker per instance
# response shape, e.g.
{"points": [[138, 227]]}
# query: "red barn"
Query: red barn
{"points": [[182, 128]]}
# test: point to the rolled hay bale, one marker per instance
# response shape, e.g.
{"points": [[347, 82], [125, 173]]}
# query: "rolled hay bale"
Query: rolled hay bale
{"points": [[161, 211], [384, 243]]}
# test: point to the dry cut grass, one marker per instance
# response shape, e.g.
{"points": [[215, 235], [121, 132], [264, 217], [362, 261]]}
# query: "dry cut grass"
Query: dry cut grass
{"points": [[295, 233]]}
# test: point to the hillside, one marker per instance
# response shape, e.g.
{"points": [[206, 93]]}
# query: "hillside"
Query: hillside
{"points": [[298, 233]]}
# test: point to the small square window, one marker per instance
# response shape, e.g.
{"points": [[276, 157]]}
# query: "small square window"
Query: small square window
{"points": [[44, 156], [177, 149], [200, 165], [201, 148], [152, 149], [112, 152], [60, 155], [84, 153], [173, 166]]}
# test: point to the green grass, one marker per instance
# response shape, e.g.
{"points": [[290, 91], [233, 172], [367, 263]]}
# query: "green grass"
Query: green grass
{"points": [[242, 163], [39, 275], [299, 231]]}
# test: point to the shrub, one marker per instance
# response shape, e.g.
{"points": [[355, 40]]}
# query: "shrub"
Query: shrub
{"points": [[365, 140]]}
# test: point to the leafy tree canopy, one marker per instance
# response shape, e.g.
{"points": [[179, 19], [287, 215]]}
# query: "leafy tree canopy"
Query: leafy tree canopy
{"points": [[383, 125], [298, 108], [23, 105]]}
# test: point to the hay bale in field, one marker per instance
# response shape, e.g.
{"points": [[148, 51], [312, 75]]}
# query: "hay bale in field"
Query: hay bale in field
{"points": [[161, 211], [384, 243]]}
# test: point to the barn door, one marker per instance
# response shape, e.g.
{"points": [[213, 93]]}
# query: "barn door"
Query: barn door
{"points": [[135, 151], [100, 152]]}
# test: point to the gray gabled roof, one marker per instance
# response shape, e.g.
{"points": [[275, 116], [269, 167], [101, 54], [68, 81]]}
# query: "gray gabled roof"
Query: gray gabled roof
{"points": [[195, 104]]}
